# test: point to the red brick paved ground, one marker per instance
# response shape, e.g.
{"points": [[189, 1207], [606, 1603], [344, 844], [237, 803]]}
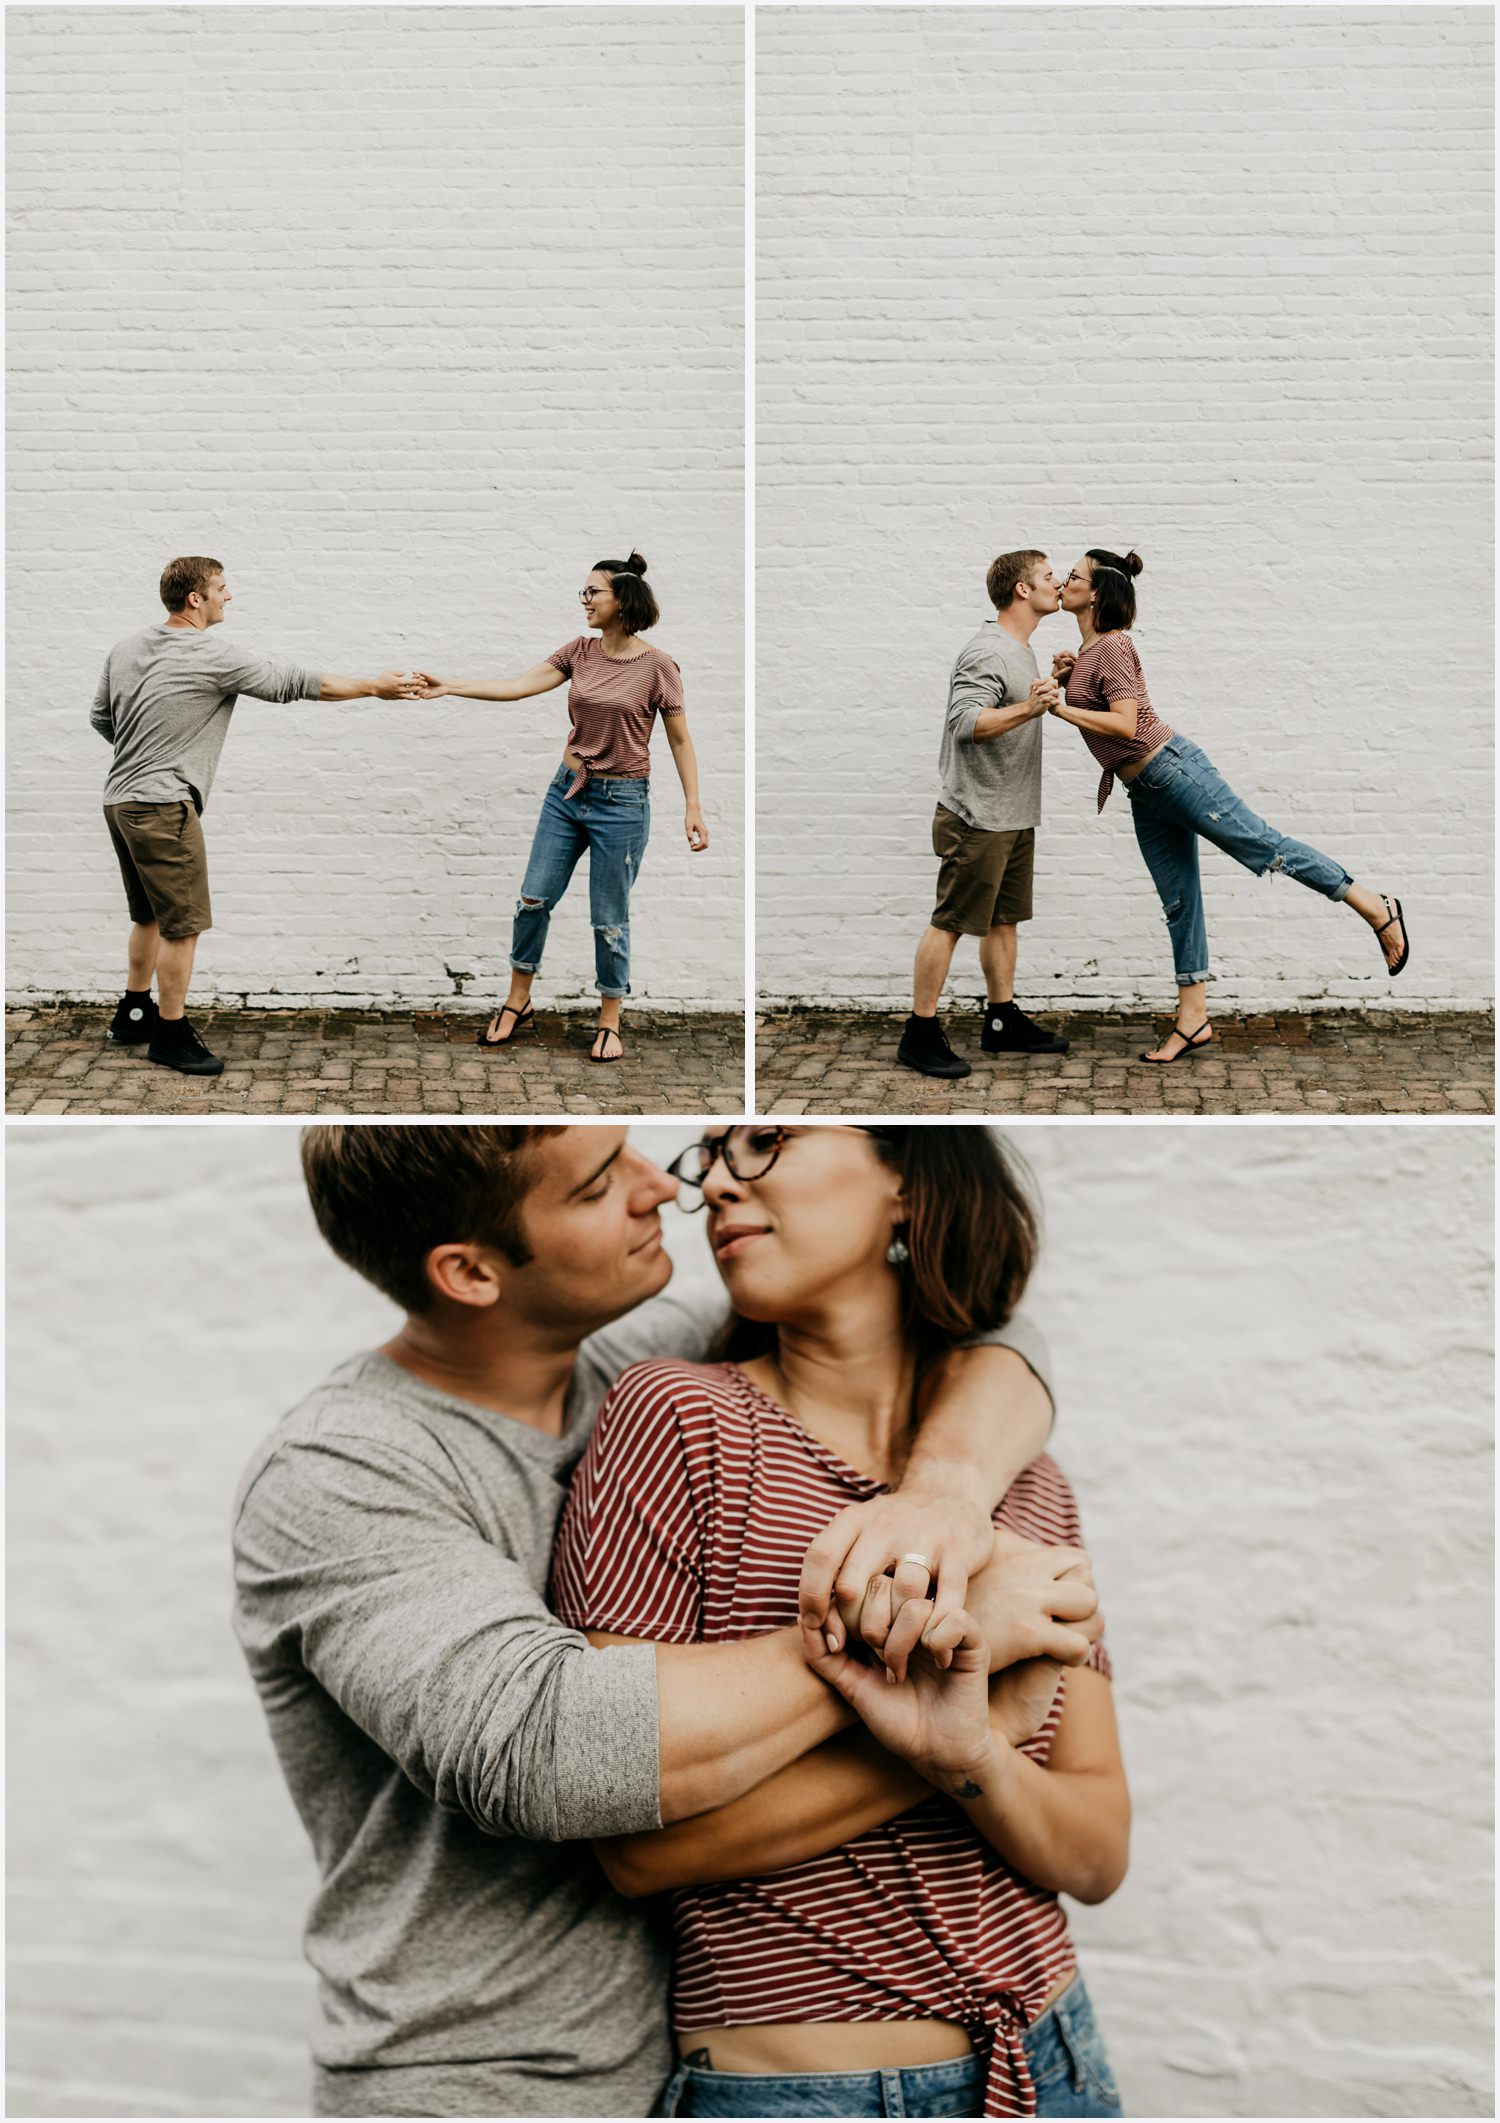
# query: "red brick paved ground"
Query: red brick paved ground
{"points": [[367, 1061], [1331, 1061]]}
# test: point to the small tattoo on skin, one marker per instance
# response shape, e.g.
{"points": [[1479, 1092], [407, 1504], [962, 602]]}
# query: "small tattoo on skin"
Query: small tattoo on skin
{"points": [[968, 1789], [701, 2058]]}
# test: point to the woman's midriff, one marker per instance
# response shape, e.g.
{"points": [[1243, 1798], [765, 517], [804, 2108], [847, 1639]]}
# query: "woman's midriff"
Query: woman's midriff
{"points": [[1129, 773], [836, 2045]]}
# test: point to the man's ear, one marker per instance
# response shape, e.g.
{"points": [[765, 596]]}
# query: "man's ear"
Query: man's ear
{"points": [[464, 1274]]}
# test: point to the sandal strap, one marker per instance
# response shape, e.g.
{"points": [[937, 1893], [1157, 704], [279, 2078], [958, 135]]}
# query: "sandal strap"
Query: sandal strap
{"points": [[1190, 1039]]}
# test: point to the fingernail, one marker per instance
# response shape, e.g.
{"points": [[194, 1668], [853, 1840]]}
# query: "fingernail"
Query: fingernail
{"points": [[835, 1637], [890, 1676], [830, 1640]]}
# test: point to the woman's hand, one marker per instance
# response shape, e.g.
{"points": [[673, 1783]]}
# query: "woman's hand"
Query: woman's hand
{"points": [[697, 831], [1062, 664], [429, 688], [938, 1718]]}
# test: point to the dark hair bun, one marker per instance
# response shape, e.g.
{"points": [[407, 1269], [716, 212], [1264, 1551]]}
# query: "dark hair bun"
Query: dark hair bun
{"points": [[635, 565], [1133, 563]]}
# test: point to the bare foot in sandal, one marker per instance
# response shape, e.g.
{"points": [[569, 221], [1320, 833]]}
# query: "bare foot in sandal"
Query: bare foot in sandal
{"points": [[608, 1045], [507, 1021]]}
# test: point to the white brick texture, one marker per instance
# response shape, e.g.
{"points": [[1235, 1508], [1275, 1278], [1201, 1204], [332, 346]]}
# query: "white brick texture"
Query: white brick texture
{"points": [[1212, 281], [408, 315], [1273, 1356]]}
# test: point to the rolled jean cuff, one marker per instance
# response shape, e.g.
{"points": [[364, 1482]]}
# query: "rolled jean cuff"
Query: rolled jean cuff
{"points": [[612, 995], [1192, 980], [521, 965], [1342, 891]]}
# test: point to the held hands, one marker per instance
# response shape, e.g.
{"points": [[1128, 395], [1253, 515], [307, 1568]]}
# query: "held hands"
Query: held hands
{"points": [[397, 685], [1035, 1602], [1042, 698], [938, 1718], [426, 687], [844, 1571], [1062, 665], [697, 831]]}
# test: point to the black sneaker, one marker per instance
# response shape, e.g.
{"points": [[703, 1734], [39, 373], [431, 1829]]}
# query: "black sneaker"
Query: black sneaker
{"points": [[177, 1046], [1008, 1030], [924, 1046], [134, 1021]]}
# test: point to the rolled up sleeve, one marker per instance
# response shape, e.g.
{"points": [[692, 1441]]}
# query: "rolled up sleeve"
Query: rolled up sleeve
{"points": [[361, 1566], [264, 679], [102, 714], [973, 689]]}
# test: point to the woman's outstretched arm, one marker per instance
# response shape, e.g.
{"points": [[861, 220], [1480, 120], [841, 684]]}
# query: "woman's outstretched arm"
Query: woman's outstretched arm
{"points": [[541, 678], [685, 760], [1121, 720]]}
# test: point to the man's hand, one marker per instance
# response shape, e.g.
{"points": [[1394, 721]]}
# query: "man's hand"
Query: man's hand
{"points": [[697, 831], [1043, 696], [848, 1561], [1062, 665], [1034, 1602], [396, 685]]}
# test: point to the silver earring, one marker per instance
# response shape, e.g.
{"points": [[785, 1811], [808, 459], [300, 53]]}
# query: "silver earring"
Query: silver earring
{"points": [[898, 1252]]}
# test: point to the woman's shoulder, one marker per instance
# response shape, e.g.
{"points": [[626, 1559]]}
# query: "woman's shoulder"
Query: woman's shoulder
{"points": [[666, 1390], [1040, 1504]]}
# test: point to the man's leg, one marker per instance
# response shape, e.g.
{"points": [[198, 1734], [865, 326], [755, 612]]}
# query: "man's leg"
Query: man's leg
{"points": [[140, 958], [174, 970], [1007, 1029], [997, 956], [934, 957]]}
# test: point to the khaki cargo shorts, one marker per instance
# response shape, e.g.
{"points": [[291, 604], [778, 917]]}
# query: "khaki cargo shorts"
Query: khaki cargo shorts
{"points": [[985, 877], [164, 864]]}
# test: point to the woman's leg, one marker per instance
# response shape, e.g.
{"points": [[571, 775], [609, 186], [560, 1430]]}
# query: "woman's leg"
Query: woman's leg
{"points": [[556, 845], [1228, 821], [1170, 851], [618, 833]]}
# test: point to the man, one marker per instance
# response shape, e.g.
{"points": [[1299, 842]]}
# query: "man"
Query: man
{"points": [[443, 1735], [164, 703], [984, 830]]}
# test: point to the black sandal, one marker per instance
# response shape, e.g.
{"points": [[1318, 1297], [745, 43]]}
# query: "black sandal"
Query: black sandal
{"points": [[1194, 1043], [608, 1032], [1396, 918], [523, 1017]]}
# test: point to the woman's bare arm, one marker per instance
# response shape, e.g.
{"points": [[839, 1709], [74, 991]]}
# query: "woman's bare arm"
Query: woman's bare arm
{"points": [[685, 760], [541, 678], [1065, 1826], [1121, 721]]}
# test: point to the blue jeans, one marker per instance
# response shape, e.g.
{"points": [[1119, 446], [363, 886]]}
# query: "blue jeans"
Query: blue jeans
{"points": [[1178, 797], [611, 817], [1063, 2049]]}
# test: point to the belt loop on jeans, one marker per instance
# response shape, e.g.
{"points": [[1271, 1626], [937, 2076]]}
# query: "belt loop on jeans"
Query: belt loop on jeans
{"points": [[892, 2101]]}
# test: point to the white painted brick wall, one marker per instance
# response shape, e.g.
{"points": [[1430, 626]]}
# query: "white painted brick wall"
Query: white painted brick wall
{"points": [[408, 315], [1214, 281], [1273, 1349]]}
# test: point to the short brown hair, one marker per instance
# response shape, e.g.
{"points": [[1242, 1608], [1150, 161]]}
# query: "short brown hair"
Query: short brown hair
{"points": [[972, 1235], [179, 579], [1007, 573], [385, 1195]]}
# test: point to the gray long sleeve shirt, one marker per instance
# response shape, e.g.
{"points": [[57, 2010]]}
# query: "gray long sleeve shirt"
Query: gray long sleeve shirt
{"points": [[995, 784], [450, 1745], [164, 702]]}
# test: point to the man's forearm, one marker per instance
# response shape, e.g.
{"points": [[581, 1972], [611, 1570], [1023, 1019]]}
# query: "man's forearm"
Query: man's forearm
{"points": [[996, 722], [732, 1715], [986, 1418], [335, 688], [836, 1792]]}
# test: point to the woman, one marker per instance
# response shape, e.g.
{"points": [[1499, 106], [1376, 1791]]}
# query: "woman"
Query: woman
{"points": [[851, 1922], [1176, 796], [600, 797]]}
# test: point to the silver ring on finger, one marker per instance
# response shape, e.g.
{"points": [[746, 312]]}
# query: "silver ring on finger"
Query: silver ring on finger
{"points": [[923, 1560]]}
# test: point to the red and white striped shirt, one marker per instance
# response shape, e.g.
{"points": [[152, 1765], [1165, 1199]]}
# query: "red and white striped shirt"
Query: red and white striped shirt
{"points": [[1109, 669], [687, 1523]]}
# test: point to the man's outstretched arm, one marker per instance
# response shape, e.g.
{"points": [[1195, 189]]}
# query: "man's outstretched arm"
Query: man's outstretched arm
{"points": [[390, 685]]}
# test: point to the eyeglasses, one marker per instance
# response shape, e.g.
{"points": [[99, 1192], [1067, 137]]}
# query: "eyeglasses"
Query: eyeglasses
{"points": [[1076, 577], [748, 1154], [588, 596]]}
